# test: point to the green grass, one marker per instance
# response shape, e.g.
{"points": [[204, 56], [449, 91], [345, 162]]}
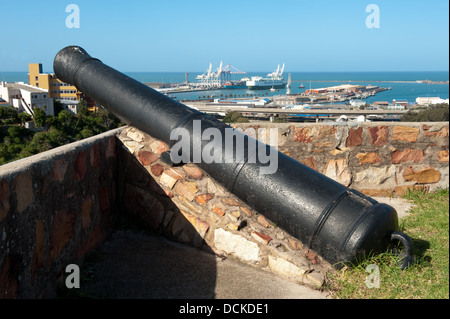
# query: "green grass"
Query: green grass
{"points": [[428, 278]]}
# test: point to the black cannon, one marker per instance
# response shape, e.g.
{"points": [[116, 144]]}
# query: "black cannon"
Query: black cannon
{"points": [[340, 224]]}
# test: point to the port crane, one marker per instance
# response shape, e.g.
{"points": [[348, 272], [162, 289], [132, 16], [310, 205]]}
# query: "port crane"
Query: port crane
{"points": [[219, 76], [278, 73]]}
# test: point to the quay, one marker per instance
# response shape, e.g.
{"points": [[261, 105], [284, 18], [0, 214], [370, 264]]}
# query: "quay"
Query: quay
{"points": [[376, 81], [328, 111], [313, 114]]}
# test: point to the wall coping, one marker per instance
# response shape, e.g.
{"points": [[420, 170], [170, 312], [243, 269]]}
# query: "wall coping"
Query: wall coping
{"points": [[27, 162]]}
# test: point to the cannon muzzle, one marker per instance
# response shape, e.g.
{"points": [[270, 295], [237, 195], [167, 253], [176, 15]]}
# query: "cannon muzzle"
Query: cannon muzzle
{"points": [[340, 224]]}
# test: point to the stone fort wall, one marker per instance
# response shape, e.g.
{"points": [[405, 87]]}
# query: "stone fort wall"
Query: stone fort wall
{"points": [[57, 206]]}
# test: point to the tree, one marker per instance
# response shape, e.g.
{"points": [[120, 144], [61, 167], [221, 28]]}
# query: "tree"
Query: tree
{"points": [[234, 117], [23, 117], [16, 131], [109, 120], [39, 117], [8, 115], [82, 108], [435, 113], [17, 142]]}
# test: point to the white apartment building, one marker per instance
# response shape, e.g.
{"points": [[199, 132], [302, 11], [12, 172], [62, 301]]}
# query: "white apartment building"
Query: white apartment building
{"points": [[25, 97], [430, 100]]}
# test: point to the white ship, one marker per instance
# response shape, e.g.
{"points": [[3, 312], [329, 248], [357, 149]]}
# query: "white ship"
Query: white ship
{"points": [[273, 80]]}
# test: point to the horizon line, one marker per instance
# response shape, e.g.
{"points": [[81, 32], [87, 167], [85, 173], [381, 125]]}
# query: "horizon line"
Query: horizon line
{"points": [[373, 71]]}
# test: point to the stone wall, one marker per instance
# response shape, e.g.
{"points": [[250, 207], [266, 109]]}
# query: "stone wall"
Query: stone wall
{"points": [[54, 207], [185, 204], [57, 206], [376, 158]]}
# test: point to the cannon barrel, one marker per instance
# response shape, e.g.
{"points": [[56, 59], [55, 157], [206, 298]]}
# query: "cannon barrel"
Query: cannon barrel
{"points": [[340, 224]]}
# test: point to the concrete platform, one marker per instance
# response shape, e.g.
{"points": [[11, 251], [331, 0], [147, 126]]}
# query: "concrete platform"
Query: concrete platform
{"points": [[137, 265], [401, 205]]}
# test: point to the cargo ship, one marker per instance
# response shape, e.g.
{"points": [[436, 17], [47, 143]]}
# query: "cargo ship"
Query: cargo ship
{"points": [[272, 80], [234, 85]]}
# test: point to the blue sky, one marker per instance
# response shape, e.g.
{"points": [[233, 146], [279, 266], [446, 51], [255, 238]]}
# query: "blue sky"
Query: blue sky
{"points": [[252, 35]]}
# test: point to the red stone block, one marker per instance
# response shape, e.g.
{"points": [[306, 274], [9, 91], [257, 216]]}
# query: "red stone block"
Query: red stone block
{"points": [[379, 135], [39, 249], [354, 137], [310, 163], [157, 170], [147, 158], [443, 132], [312, 257], [61, 233], [24, 190], [159, 147], [95, 155], [204, 198], [59, 170], [407, 155], [187, 189], [193, 171], [86, 212], [303, 134], [219, 210], [111, 147], [230, 201], [261, 237], [80, 166]]}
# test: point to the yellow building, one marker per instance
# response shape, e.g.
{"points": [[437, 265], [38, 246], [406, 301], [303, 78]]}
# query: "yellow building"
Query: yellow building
{"points": [[57, 89]]}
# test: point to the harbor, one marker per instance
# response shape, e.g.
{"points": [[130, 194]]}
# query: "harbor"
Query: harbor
{"points": [[228, 84], [273, 97], [265, 109]]}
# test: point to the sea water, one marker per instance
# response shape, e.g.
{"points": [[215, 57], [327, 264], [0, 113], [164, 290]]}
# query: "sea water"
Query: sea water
{"points": [[408, 90]]}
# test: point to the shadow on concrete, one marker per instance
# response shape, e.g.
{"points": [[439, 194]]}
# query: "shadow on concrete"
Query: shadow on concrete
{"points": [[135, 265], [156, 253]]}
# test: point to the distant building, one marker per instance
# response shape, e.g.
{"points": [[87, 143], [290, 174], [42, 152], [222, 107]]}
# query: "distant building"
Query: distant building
{"points": [[430, 100], [25, 97], [317, 91], [398, 105], [285, 100], [343, 88], [71, 106], [381, 103], [57, 89], [357, 103], [403, 103]]}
